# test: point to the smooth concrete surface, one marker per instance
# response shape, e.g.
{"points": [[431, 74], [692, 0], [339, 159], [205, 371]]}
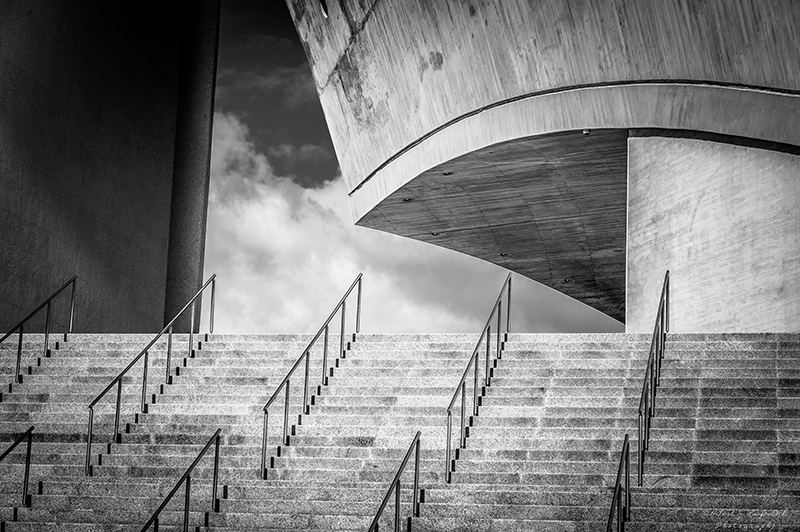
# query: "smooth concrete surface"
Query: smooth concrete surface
{"points": [[549, 207], [88, 110], [391, 71], [192, 164], [725, 220], [764, 115], [419, 96]]}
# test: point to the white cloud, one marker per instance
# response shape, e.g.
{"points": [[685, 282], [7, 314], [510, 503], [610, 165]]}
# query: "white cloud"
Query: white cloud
{"points": [[284, 254]]}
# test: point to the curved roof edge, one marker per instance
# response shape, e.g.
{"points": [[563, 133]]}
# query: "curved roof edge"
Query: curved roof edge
{"points": [[724, 110]]}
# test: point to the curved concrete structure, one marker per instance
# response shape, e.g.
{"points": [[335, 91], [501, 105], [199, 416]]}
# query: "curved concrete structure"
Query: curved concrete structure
{"points": [[462, 123]]}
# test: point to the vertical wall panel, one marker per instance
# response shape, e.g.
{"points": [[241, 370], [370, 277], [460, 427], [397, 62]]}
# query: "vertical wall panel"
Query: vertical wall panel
{"points": [[88, 97], [725, 221]]}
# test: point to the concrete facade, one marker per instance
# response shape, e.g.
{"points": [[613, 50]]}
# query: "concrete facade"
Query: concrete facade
{"points": [[89, 95], [429, 103], [725, 220]]}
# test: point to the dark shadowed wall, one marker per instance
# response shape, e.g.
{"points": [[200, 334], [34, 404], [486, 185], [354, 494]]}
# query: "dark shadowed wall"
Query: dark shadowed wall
{"points": [[88, 105]]}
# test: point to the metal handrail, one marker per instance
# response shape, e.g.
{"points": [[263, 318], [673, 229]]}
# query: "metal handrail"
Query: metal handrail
{"points": [[622, 511], [187, 477], [46, 303], [28, 434], [652, 376], [144, 353], [306, 355], [497, 309], [395, 485]]}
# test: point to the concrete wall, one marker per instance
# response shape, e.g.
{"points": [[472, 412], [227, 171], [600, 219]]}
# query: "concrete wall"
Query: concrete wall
{"points": [[391, 72], [88, 98], [725, 220]]}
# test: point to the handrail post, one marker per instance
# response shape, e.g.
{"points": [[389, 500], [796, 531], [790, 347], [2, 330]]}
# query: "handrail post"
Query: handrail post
{"points": [[449, 447], [46, 330], [191, 331], [463, 443], [306, 408], [488, 333], [87, 470], [653, 390], [213, 299], [144, 382], [325, 359], [628, 482], [264, 447], [415, 446], [169, 355], [666, 299], [116, 415], [186, 504], [286, 416], [397, 506], [508, 307], [19, 355], [25, 500], [72, 307], [358, 308], [341, 336], [499, 321], [415, 508], [640, 455], [214, 505], [475, 386]]}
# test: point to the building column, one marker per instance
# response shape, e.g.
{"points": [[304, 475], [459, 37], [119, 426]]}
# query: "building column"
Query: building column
{"points": [[190, 178]]}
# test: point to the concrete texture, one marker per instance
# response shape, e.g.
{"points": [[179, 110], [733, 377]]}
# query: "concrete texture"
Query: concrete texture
{"points": [[541, 455], [549, 207], [724, 219], [424, 100], [192, 163], [392, 71], [88, 111]]}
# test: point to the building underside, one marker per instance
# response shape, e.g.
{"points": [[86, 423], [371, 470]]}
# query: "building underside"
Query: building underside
{"points": [[589, 146], [551, 208]]}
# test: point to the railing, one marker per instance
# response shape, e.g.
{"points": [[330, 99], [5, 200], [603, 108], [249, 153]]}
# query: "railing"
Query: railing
{"points": [[144, 353], [47, 303], [307, 357], [187, 478], [652, 376], [497, 309], [28, 434], [620, 510], [395, 485]]}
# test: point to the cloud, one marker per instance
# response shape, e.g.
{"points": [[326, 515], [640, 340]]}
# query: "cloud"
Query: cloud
{"points": [[284, 254], [294, 86]]}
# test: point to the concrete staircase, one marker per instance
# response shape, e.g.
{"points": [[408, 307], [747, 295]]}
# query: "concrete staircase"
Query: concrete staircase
{"points": [[332, 476], [726, 436], [543, 450], [541, 455], [339, 463]]}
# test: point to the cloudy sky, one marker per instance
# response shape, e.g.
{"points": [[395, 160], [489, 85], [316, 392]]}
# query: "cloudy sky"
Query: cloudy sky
{"points": [[280, 234]]}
